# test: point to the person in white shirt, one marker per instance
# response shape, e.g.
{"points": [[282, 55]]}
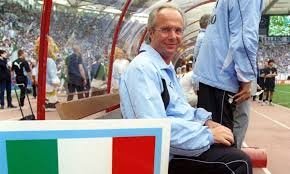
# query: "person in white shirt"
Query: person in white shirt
{"points": [[187, 85], [119, 66]]}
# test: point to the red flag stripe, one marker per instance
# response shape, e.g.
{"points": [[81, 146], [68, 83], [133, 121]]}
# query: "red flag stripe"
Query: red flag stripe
{"points": [[133, 155]]}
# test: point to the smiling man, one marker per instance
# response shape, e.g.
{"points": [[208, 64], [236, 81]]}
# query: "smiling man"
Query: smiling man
{"points": [[149, 89]]}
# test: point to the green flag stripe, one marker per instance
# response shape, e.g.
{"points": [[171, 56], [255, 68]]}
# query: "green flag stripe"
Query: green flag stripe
{"points": [[32, 156]]}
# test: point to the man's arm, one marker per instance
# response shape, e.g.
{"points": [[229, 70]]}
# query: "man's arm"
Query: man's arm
{"points": [[82, 71], [140, 92], [244, 25], [28, 70]]}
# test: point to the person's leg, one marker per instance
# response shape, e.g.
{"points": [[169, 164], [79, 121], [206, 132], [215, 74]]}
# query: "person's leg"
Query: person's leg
{"points": [[262, 85], [2, 92], [216, 101], [34, 92], [80, 90], [206, 99], [261, 96], [241, 121], [266, 94], [71, 91], [87, 89], [225, 108], [8, 93], [22, 93], [270, 97], [254, 98], [217, 160], [271, 92]]}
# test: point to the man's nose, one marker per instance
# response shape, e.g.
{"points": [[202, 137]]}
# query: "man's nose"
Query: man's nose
{"points": [[172, 33]]}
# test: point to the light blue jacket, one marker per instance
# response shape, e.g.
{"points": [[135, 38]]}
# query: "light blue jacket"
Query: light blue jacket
{"points": [[140, 92], [227, 54]]}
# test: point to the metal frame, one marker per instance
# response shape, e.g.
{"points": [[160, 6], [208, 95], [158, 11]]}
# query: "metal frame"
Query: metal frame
{"points": [[42, 58]]}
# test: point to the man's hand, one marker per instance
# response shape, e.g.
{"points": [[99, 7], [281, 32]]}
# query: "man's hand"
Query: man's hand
{"points": [[222, 135], [244, 93], [211, 124], [85, 82]]}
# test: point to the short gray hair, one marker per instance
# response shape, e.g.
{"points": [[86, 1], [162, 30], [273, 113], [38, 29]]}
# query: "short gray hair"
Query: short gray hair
{"points": [[204, 20], [153, 13]]}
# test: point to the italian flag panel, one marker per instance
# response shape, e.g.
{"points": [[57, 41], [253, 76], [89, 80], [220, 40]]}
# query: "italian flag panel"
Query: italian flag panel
{"points": [[117, 155]]}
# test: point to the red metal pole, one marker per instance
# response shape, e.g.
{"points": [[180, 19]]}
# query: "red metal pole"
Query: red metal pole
{"points": [[42, 58], [112, 55], [190, 33], [115, 39], [192, 23]]}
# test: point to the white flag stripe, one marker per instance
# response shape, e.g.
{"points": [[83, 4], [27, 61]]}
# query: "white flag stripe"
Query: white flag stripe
{"points": [[77, 156]]}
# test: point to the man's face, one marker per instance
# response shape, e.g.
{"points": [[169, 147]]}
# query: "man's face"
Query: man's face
{"points": [[4, 55], [167, 33], [23, 55], [271, 64]]}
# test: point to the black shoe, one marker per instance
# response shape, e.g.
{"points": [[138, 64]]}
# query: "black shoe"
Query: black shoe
{"points": [[12, 106]]}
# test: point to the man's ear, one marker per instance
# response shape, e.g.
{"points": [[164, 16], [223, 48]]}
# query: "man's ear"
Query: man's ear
{"points": [[150, 33]]}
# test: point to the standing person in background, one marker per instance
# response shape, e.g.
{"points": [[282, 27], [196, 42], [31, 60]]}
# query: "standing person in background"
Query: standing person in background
{"points": [[270, 74], [87, 87], [3, 77], [34, 78], [20, 66], [187, 85], [150, 89], [76, 74], [119, 66], [261, 79], [6, 73], [226, 62], [203, 23], [99, 77], [52, 80]]}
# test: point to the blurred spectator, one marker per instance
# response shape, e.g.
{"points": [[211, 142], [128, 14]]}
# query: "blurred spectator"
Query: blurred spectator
{"points": [[76, 74], [203, 22], [3, 77], [5, 72], [270, 74], [99, 78], [52, 80], [21, 67], [119, 66], [186, 84], [34, 78]]}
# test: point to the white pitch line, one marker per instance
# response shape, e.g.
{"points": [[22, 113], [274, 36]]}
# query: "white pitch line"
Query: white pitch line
{"points": [[265, 170], [275, 121]]}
